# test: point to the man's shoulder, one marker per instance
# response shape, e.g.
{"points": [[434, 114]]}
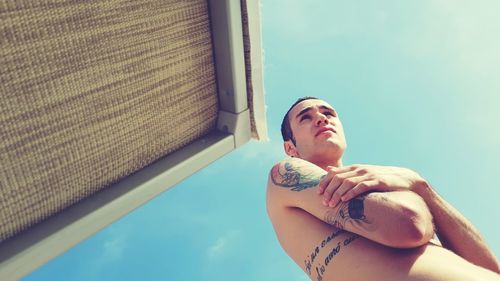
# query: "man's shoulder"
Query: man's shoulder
{"points": [[291, 181], [294, 174], [284, 178]]}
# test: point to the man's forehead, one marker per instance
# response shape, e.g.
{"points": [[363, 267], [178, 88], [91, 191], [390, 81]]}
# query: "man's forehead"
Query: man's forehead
{"points": [[311, 103]]}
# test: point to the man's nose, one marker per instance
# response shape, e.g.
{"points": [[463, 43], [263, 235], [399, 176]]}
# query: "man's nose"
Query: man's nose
{"points": [[321, 120]]}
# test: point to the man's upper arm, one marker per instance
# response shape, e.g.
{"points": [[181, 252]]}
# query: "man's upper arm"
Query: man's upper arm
{"points": [[381, 217], [292, 181]]}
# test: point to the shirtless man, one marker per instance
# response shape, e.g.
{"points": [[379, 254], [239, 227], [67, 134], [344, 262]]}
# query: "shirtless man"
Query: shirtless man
{"points": [[363, 222]]}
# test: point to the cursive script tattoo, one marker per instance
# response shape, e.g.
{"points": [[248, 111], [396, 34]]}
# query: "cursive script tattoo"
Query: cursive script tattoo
{"points": [[295, 177], [308, 262], [336, 248], [349, 212]]}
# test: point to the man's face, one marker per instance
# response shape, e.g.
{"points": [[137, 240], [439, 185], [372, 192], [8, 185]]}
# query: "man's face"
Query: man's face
{"points": [[319, 136]]}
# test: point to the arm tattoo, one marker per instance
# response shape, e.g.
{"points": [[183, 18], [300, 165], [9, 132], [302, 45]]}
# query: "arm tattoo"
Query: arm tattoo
{"points": [[291, 176], [349, 212], [356, 208]]}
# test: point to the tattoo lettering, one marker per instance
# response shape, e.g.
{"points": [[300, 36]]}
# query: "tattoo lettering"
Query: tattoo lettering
{"points": [[320, 268], [332, 254], [350, 239], [336, 250], [307, 266], [320, 272], [310, 258], [330, 238], [290, 176], [349, 212]]}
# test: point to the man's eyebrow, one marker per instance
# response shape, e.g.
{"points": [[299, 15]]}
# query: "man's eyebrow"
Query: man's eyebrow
{"points": [[327, 108], [303, 111]]}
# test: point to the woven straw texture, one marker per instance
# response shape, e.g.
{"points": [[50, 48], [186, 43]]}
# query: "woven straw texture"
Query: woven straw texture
{"points": [[92, 91]]}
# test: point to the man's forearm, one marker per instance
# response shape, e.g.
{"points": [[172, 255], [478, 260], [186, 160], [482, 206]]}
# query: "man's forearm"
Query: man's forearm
{"points": [[397, 219], [455, 232]]}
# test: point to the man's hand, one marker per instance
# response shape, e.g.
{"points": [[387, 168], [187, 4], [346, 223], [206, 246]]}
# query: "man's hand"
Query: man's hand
{"points": [[398, 219], [345, 183]]}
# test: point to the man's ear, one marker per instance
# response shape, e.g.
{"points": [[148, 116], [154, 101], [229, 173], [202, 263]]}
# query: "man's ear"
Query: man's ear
{"points": [[290, 149]]}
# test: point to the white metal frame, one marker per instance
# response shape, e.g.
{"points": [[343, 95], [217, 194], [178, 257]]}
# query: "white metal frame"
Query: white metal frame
{"points": [[227, 38], [25, 252]]}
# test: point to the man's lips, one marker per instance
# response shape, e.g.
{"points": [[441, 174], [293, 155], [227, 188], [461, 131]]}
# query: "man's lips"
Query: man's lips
{"points": [[325, 130]]}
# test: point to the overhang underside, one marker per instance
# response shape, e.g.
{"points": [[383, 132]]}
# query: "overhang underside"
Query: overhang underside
{"points": [[94, 93]]}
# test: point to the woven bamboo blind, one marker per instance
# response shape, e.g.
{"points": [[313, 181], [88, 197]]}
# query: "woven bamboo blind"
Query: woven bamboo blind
{"points": [[92, 91]]}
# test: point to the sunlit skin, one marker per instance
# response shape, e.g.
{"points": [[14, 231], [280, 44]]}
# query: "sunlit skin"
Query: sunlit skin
{"points": [[375, 223], [318, 132]]}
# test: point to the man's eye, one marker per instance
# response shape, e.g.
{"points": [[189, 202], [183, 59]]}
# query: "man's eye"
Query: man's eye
{"points": [[329, 113], [305, 117]]}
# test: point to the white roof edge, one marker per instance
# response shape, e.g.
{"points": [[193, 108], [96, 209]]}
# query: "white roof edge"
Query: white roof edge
{"points": [[27, 251], [255, 34], [227, 40], [229, 57]]}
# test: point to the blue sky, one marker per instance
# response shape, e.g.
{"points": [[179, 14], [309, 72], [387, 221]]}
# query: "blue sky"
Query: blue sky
{"points": [[416, 84]]}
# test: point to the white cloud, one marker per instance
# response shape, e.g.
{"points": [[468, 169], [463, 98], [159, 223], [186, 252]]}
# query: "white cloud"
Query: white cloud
{"points": [[217, 248], [113, 246], [113, 249], [224, 245], [264, 152]]}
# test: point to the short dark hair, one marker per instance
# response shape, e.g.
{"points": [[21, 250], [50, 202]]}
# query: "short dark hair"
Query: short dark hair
{"points": [[286, 129]]}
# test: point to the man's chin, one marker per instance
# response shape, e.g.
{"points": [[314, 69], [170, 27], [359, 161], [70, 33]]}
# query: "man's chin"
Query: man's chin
{"points": [[329, 154], [330, 144]]}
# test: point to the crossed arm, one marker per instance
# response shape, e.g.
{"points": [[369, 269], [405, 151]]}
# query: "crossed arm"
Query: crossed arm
{"points": [[455, 232], [396, 219], [389, 205]]}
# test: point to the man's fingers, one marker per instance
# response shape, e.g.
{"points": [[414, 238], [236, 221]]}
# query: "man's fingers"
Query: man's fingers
{"points": [[331, 187], [346, 185], [325, 180], [329, 190], [323, 183], [334, 183], [342, 172], [359, 189]]}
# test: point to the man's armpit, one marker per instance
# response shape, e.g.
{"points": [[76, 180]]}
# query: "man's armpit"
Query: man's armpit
{"points": [[296, 175]]}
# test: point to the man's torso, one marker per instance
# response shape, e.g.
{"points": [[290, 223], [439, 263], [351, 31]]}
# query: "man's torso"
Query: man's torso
{"points": [[327, 253]]}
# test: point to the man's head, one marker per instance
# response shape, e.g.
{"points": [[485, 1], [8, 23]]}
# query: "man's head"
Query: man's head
{"points": [[312, 131]]}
